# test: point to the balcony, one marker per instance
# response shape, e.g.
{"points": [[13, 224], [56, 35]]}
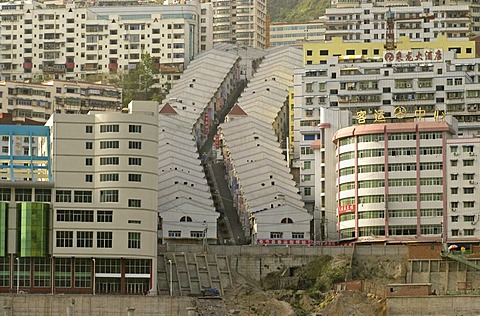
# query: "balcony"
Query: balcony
{"points": [[113, 66], [70, 65], [27, 65]]}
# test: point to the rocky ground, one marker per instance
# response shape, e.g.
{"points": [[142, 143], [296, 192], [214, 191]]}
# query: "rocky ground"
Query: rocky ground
{"points": [[308, 291]]}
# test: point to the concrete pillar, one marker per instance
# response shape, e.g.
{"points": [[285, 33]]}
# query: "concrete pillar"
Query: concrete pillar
{"points": [[70, 310], [130, 311], [191, 311], [7, 311]]}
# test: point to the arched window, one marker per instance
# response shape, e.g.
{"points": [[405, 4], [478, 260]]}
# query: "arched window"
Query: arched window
{"points": [[186, 219], [287, 220]]}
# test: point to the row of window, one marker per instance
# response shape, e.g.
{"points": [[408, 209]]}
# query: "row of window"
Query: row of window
{"points": [[380, 183], [106, 196], [25, 195], [391, 136], [114, 144], [104, 161], [84, 216], [466, 218], [84, 239], [367, 199], [114, 128]]}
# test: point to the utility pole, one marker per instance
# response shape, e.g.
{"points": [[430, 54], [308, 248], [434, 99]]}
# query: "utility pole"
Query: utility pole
{"points": [[171, 280], [18, 274]]}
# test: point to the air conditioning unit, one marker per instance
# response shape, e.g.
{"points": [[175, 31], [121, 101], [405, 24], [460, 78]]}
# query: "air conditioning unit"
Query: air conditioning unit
{"points": [[454, 209], [471, 182], [408, 85], [455, 154], [472, 154]]}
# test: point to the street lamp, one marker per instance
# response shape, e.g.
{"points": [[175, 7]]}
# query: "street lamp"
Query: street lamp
{"points": [[18, 274], [171, 281]]}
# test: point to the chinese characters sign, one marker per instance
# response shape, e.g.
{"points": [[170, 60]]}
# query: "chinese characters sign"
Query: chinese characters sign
{"points": [[346, 208], [418, 55], [399, 112]]}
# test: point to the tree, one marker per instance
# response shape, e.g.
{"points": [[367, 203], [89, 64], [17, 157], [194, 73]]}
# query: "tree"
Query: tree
{"points": [[138, 83]]}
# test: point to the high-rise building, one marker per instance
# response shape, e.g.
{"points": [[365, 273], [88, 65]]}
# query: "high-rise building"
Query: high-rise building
{"points": [[77, 43], [104, 204], [296, 33]]}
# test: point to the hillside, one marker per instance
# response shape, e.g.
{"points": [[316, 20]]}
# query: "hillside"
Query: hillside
{"points": [[296, 10]]}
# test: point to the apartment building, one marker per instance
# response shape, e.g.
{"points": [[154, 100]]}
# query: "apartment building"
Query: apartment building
{"points": [[296, 33], [104, 205], [38, 101], [240, 22], [462, 190], [77, 43], [392, 181], [422, 22]]}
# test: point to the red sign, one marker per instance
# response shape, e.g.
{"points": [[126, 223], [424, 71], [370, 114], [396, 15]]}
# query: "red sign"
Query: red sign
{"points": [[206, 123], [346, 208], [217, 141], [284, 242]]}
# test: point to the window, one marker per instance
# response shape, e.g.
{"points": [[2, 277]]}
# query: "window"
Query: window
{"points": [[134, 203], [468, 176], [469, 218], [111, 128], [467, 163], [82, 196], [63, 272], [454, 232], [84, 239], [197, 234], [134, 145], [104, 216], [104, 177], [43, 195], [108, 196], [307, 191], [286, 220], [89, 178], [134, 177], [468, 232], [88, 161], [454, 176], [307, 165], [468, 190], [454, 190], [83, 272], [174, 233], [89, 145], [297, 235], [64, 239], [454, 219], [108, 144], [134, 161], [453, 163], [276, 235], [109, 161], [133, 240], [134, 128], [88, 128], [23, 195], [104, 239], [80, 216], [186, 219], [63, 196]]}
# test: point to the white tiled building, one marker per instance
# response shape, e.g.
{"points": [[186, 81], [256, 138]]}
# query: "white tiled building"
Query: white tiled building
{"points": [[78, 43], [296, 33], [105, 200]]}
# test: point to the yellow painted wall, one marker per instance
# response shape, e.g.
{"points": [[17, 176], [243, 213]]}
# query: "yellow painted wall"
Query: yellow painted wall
{"points": [[375, 50]]}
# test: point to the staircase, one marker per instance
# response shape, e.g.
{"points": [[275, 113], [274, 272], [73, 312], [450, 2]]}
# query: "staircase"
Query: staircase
{"points": [[193, 272]]}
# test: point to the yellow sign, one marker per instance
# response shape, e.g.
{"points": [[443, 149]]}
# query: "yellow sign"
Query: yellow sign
{"points": [[399, 112]]}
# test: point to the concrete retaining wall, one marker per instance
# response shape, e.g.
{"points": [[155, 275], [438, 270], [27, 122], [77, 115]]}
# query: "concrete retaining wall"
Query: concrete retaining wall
{"points": [[433, 305], [89, 305]]}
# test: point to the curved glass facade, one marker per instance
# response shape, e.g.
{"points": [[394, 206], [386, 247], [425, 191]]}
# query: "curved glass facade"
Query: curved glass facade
{"points": [[33, 229], [3, 228]]}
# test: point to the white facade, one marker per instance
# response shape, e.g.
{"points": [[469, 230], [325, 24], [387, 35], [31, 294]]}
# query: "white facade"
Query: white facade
{"points": [[78, 43], [296, 33], [463, 195], [106, 192], [391, 181], [38, 101], [367, 22]]}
